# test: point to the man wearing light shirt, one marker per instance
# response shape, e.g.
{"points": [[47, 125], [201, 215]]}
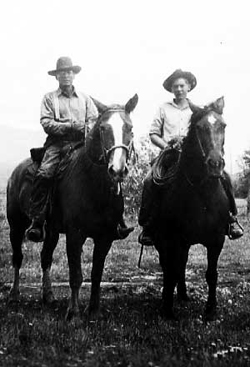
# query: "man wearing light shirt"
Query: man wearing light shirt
{"points": [[171, 122], [169, 127], [66, 117]]}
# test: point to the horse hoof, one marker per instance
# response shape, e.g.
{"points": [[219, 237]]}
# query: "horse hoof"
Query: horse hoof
{"points": [[13, 297], [123, 233], [48, 298], [210, 316], [92, 314], [168, 316], [72, 314], [210, 313], [183, 298]]}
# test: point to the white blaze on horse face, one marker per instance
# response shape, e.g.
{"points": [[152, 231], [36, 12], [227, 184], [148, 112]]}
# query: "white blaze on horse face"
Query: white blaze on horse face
{"points": [[117, 125], [211, 119]]}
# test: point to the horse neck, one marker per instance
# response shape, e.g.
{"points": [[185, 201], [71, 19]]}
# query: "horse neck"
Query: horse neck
{"points": [[93, 146], [192, 161]]}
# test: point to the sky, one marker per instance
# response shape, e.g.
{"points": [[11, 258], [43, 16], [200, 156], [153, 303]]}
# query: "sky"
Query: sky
{"points": [[126, 47]]}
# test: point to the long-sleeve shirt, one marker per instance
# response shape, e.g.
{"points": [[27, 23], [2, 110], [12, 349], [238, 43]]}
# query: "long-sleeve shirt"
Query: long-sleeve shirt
{"points": [[67, 118], [171, 121]]}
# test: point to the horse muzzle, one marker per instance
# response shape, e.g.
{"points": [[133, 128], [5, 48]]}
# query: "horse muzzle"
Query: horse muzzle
{"points": [[118, 174], [215, 166]]}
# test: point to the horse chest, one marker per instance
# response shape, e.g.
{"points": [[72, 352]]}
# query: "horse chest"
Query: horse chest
{"points": [[195, 215]]}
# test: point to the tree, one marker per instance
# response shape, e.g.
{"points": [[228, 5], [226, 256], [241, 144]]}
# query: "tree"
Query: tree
{"points": [[242, 181]]}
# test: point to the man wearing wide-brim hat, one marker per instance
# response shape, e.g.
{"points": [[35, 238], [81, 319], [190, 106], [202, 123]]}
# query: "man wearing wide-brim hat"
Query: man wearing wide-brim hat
{"points": [[66, 116], [64, 64], [169, 127]]}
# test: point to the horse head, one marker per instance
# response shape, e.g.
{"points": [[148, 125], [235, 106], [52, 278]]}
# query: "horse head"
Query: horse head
{"points": [[209, 131], [114, 141]]}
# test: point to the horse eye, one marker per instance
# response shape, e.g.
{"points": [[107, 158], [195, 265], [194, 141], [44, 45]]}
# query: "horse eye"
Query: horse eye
{"points": [[128, 128], [221, 127]]}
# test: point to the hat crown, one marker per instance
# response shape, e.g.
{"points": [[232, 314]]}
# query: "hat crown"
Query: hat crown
{"points": [[63, 63], [179, 73]]}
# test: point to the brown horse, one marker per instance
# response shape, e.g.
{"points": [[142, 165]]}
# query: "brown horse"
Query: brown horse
{"points": [[87, 202], [194, 207]]}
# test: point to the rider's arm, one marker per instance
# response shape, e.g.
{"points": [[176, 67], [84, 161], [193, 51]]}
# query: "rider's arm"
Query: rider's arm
{"points": [[158, 141], [91, 115], [156, 130], [47, 119]]}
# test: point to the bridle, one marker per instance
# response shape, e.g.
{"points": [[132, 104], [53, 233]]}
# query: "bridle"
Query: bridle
{"points": [[203, 153], [107, 152], [205, 160]]}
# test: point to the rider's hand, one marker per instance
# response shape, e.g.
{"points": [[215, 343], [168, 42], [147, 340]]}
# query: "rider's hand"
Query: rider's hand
{"points": [[176, 142], [78, 126]]}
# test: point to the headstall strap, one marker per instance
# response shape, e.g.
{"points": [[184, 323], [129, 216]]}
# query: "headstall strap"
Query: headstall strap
{"points": [[113, 109], [200, 145], [128, 148]]}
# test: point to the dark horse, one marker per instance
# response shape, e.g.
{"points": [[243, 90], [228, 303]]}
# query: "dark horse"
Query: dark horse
{"points": [[194, 207], [87, 202]]}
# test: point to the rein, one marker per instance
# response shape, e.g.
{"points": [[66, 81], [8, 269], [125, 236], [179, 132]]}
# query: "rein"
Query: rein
{"points": [[160, 178]]}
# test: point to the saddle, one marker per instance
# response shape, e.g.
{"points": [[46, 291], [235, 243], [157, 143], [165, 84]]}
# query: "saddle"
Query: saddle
{"points": [[37, 155]]}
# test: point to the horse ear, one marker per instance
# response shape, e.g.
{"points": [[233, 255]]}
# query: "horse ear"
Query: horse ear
{"points": [[131, 104], [100, 106], [219, 105], [216, 106]]}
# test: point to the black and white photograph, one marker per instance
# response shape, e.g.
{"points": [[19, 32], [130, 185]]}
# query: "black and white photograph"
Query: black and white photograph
{"points": [[124, 183]]}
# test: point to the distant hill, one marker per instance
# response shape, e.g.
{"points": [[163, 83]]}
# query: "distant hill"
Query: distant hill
{"points": [[15, 145]]}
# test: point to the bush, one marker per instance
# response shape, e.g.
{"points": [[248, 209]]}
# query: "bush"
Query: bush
{"points": [[139, 167]]}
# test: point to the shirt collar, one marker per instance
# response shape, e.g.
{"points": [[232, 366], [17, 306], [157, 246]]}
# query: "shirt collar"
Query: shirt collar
{"points": [[176, 106], [60, 92]]}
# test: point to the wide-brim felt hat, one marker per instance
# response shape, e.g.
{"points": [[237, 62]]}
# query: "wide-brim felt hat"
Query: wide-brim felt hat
{"points": [[180, 74], [64, 64]]}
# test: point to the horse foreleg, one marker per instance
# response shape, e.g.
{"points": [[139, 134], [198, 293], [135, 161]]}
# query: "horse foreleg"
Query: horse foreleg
{"points": [[101, 250], [14, 291], [49, 246], [16, 239], [213, 253], [181, 286], [74, 242], [170, 266]]}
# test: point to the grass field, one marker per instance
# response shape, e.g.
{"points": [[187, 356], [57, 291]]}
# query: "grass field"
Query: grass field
{"points": [[130, 331]]}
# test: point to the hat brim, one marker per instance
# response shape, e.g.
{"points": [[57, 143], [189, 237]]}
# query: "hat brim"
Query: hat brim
{"points": [[76, 69], [180, 74]]}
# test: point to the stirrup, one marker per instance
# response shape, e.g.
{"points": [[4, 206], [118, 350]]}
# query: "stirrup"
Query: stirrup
{"points": [[34, 237], [146, 241], [229, 229], [122, 232]]}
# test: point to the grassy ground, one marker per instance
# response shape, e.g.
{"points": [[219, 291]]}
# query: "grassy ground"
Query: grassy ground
{"points": [[130, 331]]}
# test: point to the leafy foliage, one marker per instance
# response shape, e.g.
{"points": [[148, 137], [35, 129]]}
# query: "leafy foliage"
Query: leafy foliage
{"points": [[132, 187], [242, 181]]}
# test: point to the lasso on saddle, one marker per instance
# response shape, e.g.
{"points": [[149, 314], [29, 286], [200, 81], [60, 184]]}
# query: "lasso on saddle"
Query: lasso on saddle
{"points": [[165, 166]]}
